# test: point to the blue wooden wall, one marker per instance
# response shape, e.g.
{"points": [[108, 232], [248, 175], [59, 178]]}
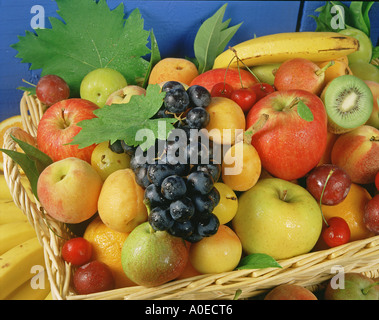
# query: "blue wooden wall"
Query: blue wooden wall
{"points": [[175, 24]]}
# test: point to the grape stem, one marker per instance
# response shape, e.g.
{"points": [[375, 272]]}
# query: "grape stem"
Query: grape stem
{"points": [[322, 194]]}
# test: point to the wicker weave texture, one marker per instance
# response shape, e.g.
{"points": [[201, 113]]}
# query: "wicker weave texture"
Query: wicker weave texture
{"points": [[311, 270]]}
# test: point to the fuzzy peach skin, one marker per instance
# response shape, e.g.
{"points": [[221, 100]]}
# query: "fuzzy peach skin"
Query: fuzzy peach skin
{"points": [[69, 190], [357, 152]]}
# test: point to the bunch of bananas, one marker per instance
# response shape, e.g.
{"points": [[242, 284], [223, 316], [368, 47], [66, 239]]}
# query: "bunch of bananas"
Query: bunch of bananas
{"points": [[22, 264], [276, 48]]}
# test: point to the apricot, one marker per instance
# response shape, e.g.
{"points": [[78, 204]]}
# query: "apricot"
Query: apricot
{"points": [[290, 292], [226, 120], [339, 68], [218, 253], [241, 167], [175, 69], [120, 204]]}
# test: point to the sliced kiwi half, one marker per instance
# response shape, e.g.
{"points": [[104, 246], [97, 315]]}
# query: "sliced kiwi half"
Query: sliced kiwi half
{"points": [[348, 102]]}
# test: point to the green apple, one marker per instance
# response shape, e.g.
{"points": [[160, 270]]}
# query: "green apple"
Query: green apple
{"points": [[100, 83], [364, 53], [365, 71], [356, 286], [278, 218]]}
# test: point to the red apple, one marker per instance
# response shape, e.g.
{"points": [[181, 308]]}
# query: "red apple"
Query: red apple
{"points": [[209, 78], [58, 126], [377, 181], [299, 73], [290, 292], [371, 214], [288, 145], [357, 152]]}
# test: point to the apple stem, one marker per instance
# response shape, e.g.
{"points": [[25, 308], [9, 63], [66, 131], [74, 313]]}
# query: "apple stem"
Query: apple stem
{"points": [[322, 194], [147, 205], [283, 195], [293, 103], [323, 69], [367, 289], [248, 134]]}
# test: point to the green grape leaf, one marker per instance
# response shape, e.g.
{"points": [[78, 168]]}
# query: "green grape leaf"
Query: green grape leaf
{"points": [[130, 121], [304, 112], [212, 38], [258, 261], [90, 36], [154, 58]]}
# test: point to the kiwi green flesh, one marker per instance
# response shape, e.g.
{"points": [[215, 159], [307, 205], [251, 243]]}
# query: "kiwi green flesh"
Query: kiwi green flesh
{"points": [[348, 102]]}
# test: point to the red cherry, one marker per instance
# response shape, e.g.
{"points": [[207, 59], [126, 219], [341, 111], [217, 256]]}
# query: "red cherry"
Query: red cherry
{"points": [[337, 233], [262, 89], [222, 89], [371, 214], [77, 251], [377, 181], [245, 98]]}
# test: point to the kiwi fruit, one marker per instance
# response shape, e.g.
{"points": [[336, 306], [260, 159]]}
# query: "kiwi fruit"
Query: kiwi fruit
{"points": [[348, 102]]}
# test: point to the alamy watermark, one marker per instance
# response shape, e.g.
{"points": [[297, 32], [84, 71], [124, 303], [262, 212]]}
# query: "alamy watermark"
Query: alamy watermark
{"points": [[38, 19], [338, 20]]}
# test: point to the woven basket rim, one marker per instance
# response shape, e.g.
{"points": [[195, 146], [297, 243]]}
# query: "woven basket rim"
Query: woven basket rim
{"points": [[311, 270]]}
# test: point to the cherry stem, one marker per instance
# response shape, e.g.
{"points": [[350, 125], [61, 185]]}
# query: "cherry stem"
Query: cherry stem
{"points": [[238, 59], [322, 194], [248, 134], [323, 69], [367, 289]]}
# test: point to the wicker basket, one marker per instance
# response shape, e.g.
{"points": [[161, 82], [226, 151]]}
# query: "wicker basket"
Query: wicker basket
{"points": [[311, 270]]}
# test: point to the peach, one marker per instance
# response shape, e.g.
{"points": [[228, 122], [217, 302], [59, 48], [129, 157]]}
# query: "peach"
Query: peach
{"points": [[120, 203], [218, 253], [374, 118], [231, 76], [175, 69], [69, 190], [290, 292], [357, 152]]}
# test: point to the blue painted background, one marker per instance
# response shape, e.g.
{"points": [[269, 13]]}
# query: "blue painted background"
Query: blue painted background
{"points": [[175, 24]]}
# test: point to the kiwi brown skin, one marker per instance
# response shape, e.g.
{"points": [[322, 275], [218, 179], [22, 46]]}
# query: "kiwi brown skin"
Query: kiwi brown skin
{"points": [[337, 93]]}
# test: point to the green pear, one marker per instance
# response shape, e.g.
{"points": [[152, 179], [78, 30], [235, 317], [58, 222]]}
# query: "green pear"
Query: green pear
{"points": [[278, 218], [151, 258]]}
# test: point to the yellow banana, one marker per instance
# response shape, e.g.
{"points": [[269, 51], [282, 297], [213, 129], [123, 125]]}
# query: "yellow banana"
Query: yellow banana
{"points": [[276, 48], [9, 212], [16, 264], [27, 291], [14, 233], [4, 190]]}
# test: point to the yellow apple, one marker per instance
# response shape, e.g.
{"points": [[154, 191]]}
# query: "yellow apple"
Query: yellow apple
{"points": [[278, 218]]}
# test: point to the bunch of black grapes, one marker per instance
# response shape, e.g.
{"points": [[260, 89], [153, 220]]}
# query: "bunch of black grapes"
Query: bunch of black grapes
{"points": [[178, 174]]}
